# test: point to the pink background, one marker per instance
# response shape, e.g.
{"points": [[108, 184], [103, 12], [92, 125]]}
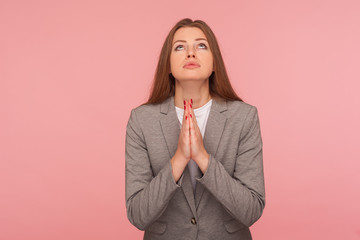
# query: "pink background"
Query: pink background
{"points": [[71, 71]]}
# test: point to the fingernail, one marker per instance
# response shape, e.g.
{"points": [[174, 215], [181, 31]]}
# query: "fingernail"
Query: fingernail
{"points": [[185, 117], [184, 102], [190, 115], [190, 106], [191, 101], [184, 107]]}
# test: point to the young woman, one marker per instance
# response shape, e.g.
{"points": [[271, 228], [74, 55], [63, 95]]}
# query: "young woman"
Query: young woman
{"points": [[194, 167]]}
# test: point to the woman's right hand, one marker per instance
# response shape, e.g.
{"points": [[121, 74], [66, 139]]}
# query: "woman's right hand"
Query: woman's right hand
{"points": [[182, 154]]}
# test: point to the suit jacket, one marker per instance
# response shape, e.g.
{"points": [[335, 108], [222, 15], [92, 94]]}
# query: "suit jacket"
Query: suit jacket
{"points": [[229, 196]]}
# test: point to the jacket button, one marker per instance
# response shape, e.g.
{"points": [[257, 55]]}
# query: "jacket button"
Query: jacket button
{"points": [[193, 221]]}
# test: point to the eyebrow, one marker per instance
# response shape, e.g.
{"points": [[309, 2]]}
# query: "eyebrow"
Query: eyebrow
{"points": [[197, 39]]}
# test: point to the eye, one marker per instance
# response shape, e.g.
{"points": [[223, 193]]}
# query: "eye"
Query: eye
{"points": [[203, 46], [177, 48]]}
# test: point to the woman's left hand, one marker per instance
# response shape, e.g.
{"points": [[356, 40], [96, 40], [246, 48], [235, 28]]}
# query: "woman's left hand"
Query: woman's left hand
{"points": [[197, 149]]}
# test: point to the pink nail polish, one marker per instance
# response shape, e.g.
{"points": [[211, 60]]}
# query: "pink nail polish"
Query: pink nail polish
{"points": [[185, 117], [191, 101], [190, 115], [184, 102], [190, 106], [184, 107]]}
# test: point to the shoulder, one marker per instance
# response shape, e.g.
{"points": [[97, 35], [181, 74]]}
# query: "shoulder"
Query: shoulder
{"points": [[239, 105], [240, 109], [243, 117], [150, 113], [155, 110], [144, 114], [146, 109], [141, 117]]}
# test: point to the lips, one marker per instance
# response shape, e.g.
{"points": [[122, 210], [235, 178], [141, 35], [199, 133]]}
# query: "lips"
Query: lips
{"points": [[191, 65]]}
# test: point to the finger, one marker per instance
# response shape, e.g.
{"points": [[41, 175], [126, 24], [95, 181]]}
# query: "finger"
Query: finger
{"points": [[184, 132], [192, 125], [191, 116], [183, 120], [184, 115], [196, 126], [192, 111], [187, 117]]}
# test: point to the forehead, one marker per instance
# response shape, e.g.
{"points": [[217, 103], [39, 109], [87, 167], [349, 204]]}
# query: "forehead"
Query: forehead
{"points": [[188, 33]]}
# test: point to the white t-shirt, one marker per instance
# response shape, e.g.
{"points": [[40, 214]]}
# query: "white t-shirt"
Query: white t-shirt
{"points": [[201, 115]]}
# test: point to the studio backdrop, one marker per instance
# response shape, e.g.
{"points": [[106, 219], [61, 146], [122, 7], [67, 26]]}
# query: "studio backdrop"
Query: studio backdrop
{"points": [[71, 71]]}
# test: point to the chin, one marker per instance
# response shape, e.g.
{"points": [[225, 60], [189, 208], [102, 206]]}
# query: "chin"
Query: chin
{"points": [[193, 77]]}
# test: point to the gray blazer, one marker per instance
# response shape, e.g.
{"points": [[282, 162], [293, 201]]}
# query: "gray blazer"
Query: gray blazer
{"points": [[229, 197]]}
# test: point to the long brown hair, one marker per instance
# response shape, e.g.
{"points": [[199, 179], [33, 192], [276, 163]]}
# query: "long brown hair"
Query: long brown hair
{"points": [[164, 83]]}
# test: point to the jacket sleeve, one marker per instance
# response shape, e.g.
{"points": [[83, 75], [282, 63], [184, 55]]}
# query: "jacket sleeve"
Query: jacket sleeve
{"points": [[147, 196], [243, 194]]}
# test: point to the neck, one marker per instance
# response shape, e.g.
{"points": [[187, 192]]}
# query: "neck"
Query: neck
{"points": [[195, 90]]}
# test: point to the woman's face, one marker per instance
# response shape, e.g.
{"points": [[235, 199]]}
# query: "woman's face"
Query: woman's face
{"points": [[190, 46]]}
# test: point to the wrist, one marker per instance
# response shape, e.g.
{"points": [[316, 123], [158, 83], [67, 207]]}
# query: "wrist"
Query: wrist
{"points": [[203, 161], [178, 164]]}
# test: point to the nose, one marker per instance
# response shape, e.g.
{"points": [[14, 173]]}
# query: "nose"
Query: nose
{"points": [[191, 53]]}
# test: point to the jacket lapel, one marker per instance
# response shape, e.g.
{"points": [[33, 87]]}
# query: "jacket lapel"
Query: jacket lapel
{"points": [[187, 188], [170, 125], [213, 131]]}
